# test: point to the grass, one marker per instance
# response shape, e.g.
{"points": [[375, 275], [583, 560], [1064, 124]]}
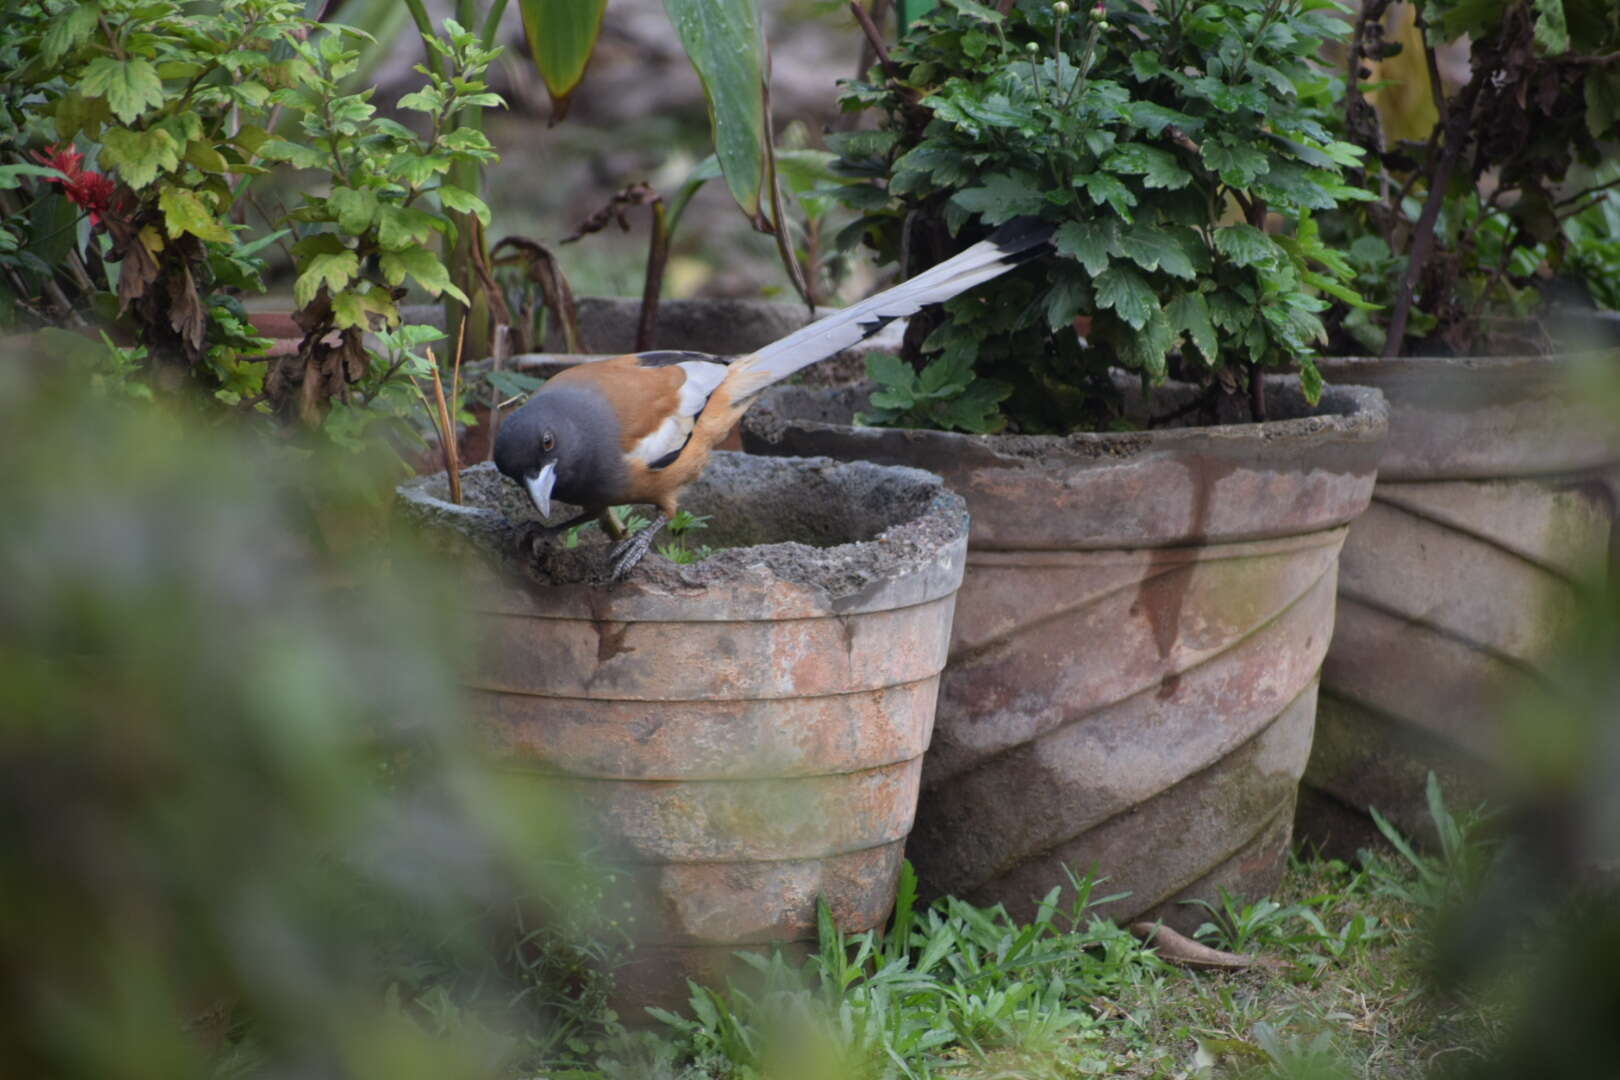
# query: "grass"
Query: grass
{"points": [[952, 990], [1341, 987]]}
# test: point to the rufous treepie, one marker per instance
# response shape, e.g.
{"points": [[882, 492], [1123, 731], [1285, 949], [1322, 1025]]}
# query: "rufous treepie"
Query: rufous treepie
{"points": [[638, 428]]}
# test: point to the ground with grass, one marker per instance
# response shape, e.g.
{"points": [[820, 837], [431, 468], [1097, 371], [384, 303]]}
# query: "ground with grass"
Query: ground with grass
{"points": [[1337, 984]]}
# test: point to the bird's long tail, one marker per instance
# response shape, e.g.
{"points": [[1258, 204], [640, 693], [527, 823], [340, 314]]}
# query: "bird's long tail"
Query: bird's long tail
{"points": [[1010, 245]]}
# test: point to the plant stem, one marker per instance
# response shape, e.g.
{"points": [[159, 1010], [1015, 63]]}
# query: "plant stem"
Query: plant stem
{"points": [[1423, 233], [447, 441], [424, 26], [499, 351], [652, 285], [492, 23], [874, 38]]}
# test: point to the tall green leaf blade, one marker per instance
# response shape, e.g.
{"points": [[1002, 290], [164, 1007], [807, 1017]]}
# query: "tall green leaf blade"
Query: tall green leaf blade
{"points": [[722, 38], [562, 35]]}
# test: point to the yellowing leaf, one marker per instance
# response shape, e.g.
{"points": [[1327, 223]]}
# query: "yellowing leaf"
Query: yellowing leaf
{"points": [[151, 239], [205, 157], [139, 155], [353, 308], [332, 270], [185, 212], [130, 86]]}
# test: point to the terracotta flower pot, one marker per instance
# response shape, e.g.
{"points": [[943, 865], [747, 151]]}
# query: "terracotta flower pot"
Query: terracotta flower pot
{"points": [[1133, 670], [743, 734], [1492, 501]]}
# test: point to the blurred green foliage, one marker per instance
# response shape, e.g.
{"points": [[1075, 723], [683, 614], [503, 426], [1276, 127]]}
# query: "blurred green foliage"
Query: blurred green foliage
{"points": [[239, 827]]}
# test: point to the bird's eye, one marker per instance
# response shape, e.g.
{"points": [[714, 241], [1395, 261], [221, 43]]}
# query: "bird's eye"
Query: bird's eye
{"points": [[548, 442]]}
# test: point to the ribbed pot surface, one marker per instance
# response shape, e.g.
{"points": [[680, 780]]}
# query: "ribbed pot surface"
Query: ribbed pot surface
{"points": [[743, 735], [1134, 663], [1492, 502]]}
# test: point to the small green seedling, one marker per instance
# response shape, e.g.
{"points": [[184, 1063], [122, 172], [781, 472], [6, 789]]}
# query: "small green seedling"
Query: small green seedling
{"points": [[676, 549]]}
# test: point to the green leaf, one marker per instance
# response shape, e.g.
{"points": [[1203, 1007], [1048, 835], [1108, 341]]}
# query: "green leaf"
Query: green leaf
{"points": [[1238, 166], [353, 208], [428, 99], [722, 38], [318, 244], [418, 169], [562, 35], [1292, 184], [424, 266], [454, 198], [1069, 296], [299, 157], [1602, 101], [333, 270], [1155, 118], [977, 10], [945, 377], [889, 371], [185, 212], [1152, 248], [1552, 28], [1246, 245], [348, 310], [862, 196], [130, 86], [1158, 168], [205, 157], [1311, 382], [1089, 242], [1338, 289], [139, 155], [1146, 349], [1127, 293], [405, 226], [1230, 312], [68, 31], [1189, 314], [1146, 64], [10, 173], [1002, 197], [1104, 188]]}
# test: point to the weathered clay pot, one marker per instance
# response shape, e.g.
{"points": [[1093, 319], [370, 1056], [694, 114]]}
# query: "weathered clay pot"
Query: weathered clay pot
{"points": [[743, 734], [1133, 670], [1492, 501]]}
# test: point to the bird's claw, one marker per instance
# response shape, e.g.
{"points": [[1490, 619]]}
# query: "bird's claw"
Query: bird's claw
{"points": [[632, 549]]}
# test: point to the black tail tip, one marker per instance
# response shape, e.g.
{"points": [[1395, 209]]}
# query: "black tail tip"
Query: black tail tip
{"points": [[1024, 234]]}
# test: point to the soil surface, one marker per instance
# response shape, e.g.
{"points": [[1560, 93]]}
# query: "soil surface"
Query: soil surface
{"points": [[837, 526]]}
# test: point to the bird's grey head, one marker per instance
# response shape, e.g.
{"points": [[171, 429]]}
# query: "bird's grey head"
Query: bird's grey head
{"points": [[564, 443]]}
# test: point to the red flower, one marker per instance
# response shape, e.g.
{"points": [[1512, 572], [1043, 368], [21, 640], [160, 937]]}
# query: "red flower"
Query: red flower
{"points": [[91, 190]]}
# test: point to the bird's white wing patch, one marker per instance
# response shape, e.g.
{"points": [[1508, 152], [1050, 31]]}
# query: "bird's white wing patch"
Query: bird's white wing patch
{"points": [[665, 439], [701, 379]]}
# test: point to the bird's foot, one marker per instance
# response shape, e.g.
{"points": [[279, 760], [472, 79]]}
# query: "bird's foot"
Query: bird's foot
{"points": [[632, 549], [536, 541]]}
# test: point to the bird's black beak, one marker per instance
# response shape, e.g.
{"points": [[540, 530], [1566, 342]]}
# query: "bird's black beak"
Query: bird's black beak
{"points": [[539, 485]]}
